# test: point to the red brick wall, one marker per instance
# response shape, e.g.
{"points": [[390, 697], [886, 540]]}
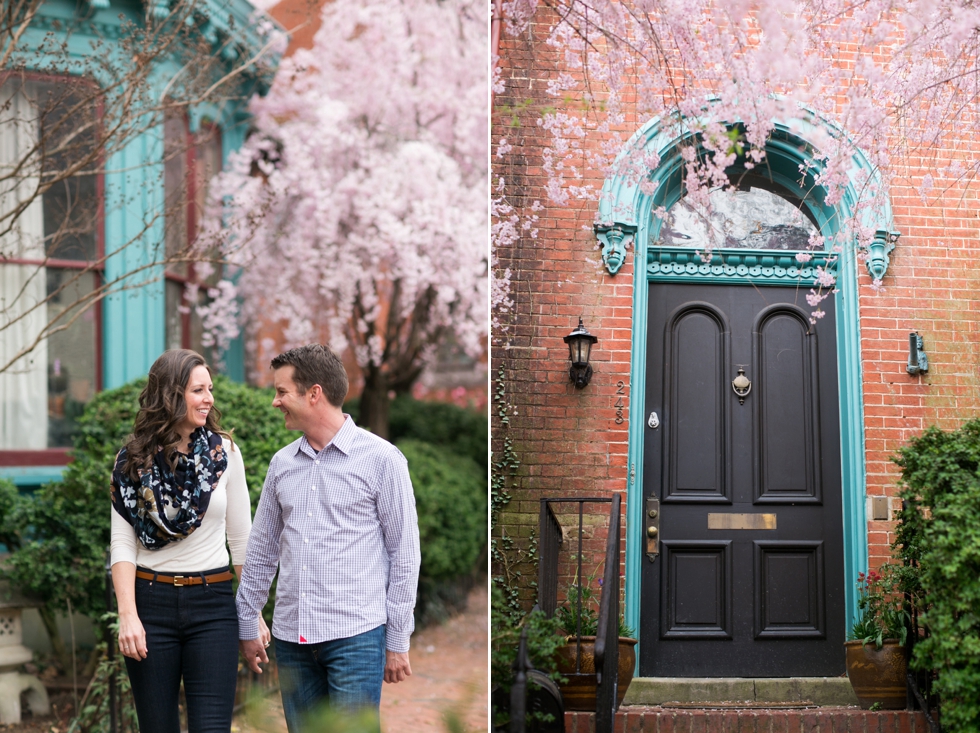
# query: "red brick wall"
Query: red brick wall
{"points": [[567, 440], [933, 287], [301, 18]]}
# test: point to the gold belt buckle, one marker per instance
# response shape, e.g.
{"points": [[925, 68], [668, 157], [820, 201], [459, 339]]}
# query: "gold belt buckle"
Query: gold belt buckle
{"points": [[178, 581]]}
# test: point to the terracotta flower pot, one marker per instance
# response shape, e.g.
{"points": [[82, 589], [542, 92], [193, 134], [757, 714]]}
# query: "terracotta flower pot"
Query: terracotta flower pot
{"points": [[877, 675], [580, 690]]}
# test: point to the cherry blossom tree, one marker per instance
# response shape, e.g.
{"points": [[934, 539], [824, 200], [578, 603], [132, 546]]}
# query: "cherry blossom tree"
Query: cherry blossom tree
{"points": [[357, 210], [899, 76]]}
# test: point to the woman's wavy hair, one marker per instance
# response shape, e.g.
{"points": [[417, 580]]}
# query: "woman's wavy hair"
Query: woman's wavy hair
{"points": [[162, 408]]}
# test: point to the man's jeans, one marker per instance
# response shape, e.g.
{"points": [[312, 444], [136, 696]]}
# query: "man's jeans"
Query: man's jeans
{"points": [[346, 673]]}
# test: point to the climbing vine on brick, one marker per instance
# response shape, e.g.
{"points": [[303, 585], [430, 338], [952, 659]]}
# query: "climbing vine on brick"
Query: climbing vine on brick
{"points": [[506, 555]]}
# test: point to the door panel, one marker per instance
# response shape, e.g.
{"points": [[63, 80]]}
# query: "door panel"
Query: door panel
{"points": [[697, 590], [789, 589], [788, 432], [767, 599], [696, 361]]}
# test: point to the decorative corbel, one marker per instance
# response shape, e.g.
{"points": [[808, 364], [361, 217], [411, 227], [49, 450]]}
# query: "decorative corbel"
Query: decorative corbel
{"points": [[878, 251], [614, 239]]}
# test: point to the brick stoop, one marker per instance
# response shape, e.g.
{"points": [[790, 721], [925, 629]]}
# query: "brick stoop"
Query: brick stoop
{"points": [[635, 719]]}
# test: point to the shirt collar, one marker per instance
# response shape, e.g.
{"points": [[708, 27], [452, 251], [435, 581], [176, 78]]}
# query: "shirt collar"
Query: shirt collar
{"points": [[341, 440]]}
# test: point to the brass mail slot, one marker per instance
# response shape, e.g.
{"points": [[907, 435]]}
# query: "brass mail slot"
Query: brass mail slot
{"points": [[741, 521]]}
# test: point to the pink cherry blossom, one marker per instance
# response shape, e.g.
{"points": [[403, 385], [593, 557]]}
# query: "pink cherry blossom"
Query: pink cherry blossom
{"points": [[356, 210]]}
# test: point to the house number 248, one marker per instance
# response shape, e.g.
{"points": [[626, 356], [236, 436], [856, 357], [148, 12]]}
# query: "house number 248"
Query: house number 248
{"points": [[620, 391]]}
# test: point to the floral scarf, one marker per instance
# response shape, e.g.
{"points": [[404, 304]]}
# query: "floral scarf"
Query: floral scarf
{"points": [[168, 505]]}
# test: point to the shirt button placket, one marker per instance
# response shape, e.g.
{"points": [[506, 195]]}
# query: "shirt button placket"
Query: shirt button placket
{"points": [[304, 582]]}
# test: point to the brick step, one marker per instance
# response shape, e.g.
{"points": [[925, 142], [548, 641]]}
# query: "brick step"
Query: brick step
{"points": [[636, 719]]}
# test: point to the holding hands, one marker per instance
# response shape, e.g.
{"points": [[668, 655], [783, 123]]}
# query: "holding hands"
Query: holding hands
{"points": [[253, 650]]}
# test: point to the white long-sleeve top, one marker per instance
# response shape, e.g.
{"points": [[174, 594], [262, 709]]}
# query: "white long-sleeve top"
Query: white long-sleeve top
{"points": [[229, 513]]}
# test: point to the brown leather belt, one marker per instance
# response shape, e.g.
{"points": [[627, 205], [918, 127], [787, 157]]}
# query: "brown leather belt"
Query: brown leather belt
{"points": [[182, 580]]}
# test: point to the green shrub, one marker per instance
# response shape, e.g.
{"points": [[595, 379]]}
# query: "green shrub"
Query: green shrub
{"points": [[940, 529], [543, 641], [451, 500], [462, 431]]}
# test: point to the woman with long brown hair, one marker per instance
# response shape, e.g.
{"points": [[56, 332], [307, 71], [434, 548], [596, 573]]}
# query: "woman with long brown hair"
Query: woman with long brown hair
{"points": [[178, 490]]}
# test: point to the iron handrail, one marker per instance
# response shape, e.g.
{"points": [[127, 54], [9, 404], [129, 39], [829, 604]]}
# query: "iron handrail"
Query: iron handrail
{"points": [[550, 541], [607, 632]]}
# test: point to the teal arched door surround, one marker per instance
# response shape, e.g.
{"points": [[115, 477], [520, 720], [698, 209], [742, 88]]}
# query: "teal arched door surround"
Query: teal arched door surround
{"points": [[626, 218]]}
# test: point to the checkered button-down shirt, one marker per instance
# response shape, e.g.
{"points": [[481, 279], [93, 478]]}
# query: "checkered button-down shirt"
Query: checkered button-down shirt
{"points": [[341, 527]]}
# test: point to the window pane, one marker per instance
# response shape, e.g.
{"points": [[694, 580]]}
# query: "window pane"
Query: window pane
{"points": [[69, 128], [184, 327], [72, 359], [753, 219], [23, 385], [48, 131], [175, 188], [174, 304], [207, 160], [207, 164]]}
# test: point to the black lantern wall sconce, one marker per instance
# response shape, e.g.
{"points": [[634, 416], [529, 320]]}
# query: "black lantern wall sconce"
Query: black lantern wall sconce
{"points": [[579, 350], [918, 361]]}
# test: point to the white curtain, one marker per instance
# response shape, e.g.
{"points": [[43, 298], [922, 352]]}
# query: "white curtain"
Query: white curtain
{"points": [[23, 385]]}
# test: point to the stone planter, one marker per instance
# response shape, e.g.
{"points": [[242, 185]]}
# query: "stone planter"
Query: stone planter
{"points": [[580, 690], [13, 653], [877, 675]]}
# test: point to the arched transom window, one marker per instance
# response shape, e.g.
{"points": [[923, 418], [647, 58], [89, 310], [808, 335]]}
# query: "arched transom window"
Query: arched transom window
{"points": [[749, 218]]}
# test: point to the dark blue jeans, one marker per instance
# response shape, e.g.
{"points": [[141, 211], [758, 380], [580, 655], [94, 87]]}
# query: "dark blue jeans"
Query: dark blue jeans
{"points": [[191, 633], [344, 673]]}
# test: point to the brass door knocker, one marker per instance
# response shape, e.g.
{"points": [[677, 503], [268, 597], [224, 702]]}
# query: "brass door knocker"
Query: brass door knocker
{"points": [[742, 386]]}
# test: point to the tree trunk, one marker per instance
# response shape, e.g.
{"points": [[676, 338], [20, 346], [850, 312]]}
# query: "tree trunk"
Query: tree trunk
{"points": [[61, 652], [375, 405]]}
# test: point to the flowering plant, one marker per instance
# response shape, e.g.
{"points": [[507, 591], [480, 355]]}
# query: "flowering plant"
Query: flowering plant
{"points": [[568, 613], [880, 603]]}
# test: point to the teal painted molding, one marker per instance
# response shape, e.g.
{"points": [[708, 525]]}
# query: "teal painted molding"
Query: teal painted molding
{"points": [[734, 266], [133, 314], [234, 356], [234, 131], [623, 204], [227, 25], [32, 475]]}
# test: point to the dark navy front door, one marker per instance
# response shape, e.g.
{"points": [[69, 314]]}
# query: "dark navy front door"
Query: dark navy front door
{"points": [[749, 577]]}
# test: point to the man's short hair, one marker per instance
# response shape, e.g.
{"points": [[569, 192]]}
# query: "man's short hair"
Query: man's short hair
{"points": [[316, 364]]}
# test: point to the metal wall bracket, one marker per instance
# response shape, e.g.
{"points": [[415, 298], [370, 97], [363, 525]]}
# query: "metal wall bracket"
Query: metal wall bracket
{"points": [[918, 361]]}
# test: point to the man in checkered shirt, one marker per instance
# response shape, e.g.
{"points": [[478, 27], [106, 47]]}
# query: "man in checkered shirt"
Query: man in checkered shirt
{"points": [[337, 518]]}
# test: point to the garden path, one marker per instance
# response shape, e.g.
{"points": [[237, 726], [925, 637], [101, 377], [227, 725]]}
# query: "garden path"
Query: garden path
{"points": [[449, 676]]}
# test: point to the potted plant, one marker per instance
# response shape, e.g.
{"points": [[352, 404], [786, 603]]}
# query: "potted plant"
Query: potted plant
{"points": [[576, 659], [876, 655]]}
